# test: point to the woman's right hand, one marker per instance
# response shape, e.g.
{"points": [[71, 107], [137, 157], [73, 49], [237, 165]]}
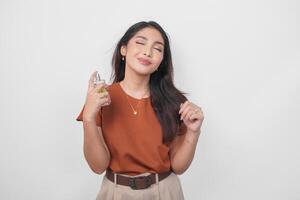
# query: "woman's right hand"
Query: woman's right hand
{"points": [[95, 100]]}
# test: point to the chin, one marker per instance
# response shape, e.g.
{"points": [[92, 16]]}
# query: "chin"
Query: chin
{"points": [[144, 70]]}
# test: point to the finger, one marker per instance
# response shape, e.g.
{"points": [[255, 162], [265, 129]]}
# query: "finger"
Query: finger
{"points": [[103, 95], [91, 81], [104, 100], [107, 102], [194, 116], [183, 106], [109, 98], [189, 114], [198, 115], [187, 110]]}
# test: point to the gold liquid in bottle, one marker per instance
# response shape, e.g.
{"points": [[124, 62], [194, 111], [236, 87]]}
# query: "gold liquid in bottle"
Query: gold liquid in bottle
{"points": [[98, 81]]}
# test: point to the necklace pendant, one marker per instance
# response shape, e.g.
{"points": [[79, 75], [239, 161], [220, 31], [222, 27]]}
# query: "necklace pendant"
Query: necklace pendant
{"points": [[134, 112]]}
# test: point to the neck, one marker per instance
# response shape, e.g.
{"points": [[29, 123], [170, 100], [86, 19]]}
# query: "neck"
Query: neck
{"points": [[136, 85]]}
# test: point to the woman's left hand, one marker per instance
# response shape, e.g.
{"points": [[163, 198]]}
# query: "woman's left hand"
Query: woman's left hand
{"points": [[192, 116]]}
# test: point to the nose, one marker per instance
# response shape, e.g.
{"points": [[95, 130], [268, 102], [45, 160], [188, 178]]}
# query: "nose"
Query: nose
{"points": [[146, 54], [147, 51]]}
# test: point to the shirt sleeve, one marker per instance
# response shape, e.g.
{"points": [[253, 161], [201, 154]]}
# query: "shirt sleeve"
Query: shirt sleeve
{"points": [[98, 117]]}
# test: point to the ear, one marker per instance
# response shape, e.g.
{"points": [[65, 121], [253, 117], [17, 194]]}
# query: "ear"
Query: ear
{"points": [[123, 50]]}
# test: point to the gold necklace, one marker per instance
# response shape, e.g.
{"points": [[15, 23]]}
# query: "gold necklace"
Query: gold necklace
{"points": [[135, 112]]}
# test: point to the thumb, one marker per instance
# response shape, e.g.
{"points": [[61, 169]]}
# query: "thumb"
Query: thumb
{"points": [[91, 80]]}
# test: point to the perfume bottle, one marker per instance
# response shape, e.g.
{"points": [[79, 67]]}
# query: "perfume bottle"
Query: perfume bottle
{"points": [[97, 81]]}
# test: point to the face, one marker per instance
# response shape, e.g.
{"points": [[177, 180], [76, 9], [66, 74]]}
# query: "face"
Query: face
{"points": [[144, 51]]}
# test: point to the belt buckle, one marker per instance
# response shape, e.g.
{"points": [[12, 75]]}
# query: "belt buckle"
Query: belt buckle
{"points": [[132, 182]]}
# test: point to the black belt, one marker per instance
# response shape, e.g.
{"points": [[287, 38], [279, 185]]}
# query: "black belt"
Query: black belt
{"points": [[136, 183]]}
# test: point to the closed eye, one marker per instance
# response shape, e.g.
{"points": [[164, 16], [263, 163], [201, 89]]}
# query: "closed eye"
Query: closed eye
{"points": [[144, 44]]}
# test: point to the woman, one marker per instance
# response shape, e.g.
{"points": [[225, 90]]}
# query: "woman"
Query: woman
{"points": [[143, 131]]}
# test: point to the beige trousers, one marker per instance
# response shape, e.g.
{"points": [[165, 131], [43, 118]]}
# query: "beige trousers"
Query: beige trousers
{"points": [[167, 189]]}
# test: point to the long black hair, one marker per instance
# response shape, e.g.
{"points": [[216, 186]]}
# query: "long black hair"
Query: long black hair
{"points": [[165, 97]]}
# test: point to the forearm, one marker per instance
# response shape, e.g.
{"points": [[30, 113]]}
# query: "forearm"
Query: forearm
{"points": [[95, 149], [185, 153]]}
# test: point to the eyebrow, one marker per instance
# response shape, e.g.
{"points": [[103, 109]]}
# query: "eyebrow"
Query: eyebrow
{"points": [[158, 42]]}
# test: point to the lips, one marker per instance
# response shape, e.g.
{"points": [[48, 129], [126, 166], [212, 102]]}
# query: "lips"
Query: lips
{"points": [[144, 61]]}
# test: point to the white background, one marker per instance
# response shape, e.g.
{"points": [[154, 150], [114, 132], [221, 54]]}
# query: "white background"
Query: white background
{"points": [[238, 60]]}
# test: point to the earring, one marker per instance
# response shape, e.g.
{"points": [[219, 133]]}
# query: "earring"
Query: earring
{"points": [[123, 58]]}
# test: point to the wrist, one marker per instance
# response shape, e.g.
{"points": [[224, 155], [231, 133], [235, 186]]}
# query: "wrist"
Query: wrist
{"points": [[89, 118], [193, 134]]}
